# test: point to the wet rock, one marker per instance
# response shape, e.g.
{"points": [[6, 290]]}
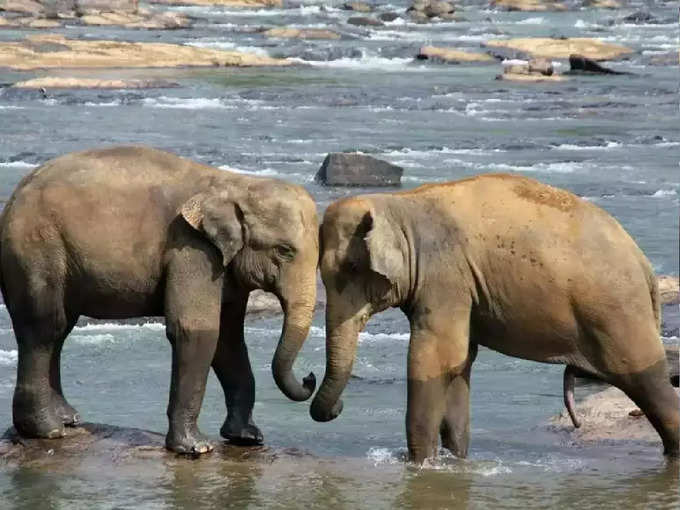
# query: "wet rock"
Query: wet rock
{"points": [[528, 5], [423, 11], [58, 82], [605, 417], [640, 18], [580, 63], [263, 303], [552, 48], [357, 7], [108, 54], [354, 169], [602, 4], [669, 287], [451, 55], [365, 21], [301, 33], [388, 16], [673, 358], [158, 21]]}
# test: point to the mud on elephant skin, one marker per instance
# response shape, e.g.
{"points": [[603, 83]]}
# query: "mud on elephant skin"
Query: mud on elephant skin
{"points": [[498, 260], [133, 231]]}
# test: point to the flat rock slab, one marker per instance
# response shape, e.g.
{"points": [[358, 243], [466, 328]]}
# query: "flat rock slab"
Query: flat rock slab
{"points": [[669, 289], [301, 33], [452, 55], [529, 78], [561, 48], [529, 5], [56, 51], [55, 82], [605, 418], [354, 169], [94, 443]]}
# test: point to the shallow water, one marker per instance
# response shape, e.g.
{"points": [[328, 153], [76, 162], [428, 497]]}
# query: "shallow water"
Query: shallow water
{"points": [[610, 139]]}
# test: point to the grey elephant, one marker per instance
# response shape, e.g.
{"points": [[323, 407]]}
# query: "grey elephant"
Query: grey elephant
{"points": [[132, 231], [503, 261]]}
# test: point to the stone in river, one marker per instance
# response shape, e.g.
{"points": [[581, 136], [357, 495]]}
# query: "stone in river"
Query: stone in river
{"points": [[354, 169]]}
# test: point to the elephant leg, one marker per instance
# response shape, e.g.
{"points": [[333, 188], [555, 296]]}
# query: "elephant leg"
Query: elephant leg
{"points": [[232, 367], [192, 311], [68, 414], [40, 325], [653, 393], [455, 427], [437, 356]]}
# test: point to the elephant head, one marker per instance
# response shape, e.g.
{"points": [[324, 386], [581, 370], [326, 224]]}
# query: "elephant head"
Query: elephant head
{"points": [[365, 269], [267, 232]]}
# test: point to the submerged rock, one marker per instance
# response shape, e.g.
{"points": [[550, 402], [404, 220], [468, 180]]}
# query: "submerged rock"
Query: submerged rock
{"points": [[388, 16], [71, 53], [364, 21], [451, 55], [561, 48], [354, 169], [301, 33]]}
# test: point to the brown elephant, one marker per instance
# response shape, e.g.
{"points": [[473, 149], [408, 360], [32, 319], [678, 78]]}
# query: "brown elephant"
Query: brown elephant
{"points": [[132, 231], [503, 261]]}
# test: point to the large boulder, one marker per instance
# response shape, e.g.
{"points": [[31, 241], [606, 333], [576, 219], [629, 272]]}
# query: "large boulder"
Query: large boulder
{"points": [[534, 70], [547, 47], [355, 169], [31, 7], [423, 11], [669, 287], [364, 21], [357, 7]]}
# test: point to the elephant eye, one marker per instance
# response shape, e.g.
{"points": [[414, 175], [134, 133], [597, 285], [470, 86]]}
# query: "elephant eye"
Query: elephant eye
{"points": [[285, 251]]}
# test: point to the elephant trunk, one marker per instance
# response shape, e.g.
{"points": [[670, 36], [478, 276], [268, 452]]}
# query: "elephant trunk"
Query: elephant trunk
{"points": [[298, 317], [341, 343]]}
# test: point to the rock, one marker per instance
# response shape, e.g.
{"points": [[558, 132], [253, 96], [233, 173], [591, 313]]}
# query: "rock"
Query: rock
{"points": [[365, 21], [388, 16], [673, 358], [669, 289], [107, 54], [603, 4], [640, 18], [225, 3], [605, 418], [561, 48], [56, 82], [419, 17], [528, 5], [535, 70], [582, 64], [357, 7], [165, 20], [83, 7], [301, 33], [42, 23], [438, 8], [261, 303], [30, 7], [451, 55], [354, 169], [96, 444]]}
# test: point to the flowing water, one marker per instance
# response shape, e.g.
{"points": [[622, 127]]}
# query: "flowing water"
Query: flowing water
{"points": [[611, 139]]}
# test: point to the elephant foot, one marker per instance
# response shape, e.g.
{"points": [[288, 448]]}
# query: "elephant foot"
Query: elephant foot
{"points": [[188, 442], [243, 435], [39, 425], [69, 416]]}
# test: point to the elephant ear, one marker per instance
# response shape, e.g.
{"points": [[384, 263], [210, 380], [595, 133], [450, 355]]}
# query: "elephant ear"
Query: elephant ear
{"points": [[384, 242], [219, 219]]}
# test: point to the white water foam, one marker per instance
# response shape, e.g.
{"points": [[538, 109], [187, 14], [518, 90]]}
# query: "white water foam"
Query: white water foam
{"points": [[228, 45], [531, 21], [189, 103], [571, 147], [93, 339], [111, 326], [367, 62], [381, 337], [10, 107], [265, 172], [665, 193], [17, 164], [8, 358]]}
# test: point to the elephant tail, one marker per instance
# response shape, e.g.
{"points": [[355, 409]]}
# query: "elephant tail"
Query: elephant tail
{"points": [[654, 294]]}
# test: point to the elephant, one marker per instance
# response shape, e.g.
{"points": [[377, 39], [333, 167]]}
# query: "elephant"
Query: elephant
{"points": [[133, 231], [498, 260]]}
